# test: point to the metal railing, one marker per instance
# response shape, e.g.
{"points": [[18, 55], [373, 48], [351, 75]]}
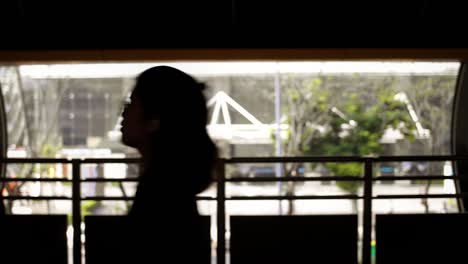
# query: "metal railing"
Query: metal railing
{"points": [[367, 179]]}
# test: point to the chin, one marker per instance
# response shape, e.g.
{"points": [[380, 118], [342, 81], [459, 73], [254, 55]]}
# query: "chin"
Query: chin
{"points": [[127, 142]]}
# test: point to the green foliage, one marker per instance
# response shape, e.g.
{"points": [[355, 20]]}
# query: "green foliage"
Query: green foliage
{"points": [[88, 206], [86, 209], [347, 169], [362, 139], [354, 122], [47, 151], [304, 100]]}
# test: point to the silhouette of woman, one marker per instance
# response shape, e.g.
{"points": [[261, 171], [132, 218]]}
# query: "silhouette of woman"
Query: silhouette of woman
{"points": [[165, 121], [2, 206]]}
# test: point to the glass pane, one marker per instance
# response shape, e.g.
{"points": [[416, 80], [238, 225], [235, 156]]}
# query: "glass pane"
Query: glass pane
{"points": [[325, 108], [256, 109]]}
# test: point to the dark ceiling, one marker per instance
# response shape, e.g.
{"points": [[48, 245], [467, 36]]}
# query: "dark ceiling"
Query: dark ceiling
{"points": [[230, 23]]}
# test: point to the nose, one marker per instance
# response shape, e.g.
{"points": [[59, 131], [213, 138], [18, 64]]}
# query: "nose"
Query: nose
{"points": [[125, 109]]}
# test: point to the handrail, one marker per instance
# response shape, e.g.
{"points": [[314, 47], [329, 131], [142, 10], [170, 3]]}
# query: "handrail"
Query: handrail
{"points": [[367, 179], [341, 159], [273, 159], [261, 179]]}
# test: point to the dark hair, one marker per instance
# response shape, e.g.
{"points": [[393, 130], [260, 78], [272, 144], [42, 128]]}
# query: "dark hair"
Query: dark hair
{"points": [[168, 93], [176, 100]]}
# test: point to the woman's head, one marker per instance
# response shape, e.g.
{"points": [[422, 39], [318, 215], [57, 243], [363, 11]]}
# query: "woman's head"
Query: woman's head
{"points": [[164, 101], [167, 115]]}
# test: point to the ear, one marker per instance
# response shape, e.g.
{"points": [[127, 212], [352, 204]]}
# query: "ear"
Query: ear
{"points": [[153, 125]]}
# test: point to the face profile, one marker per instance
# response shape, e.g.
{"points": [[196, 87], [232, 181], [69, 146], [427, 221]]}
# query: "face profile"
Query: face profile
{"points": [[136, 130]]}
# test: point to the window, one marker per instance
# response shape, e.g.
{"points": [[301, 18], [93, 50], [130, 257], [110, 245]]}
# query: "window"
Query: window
{"points": [[302, 108]]}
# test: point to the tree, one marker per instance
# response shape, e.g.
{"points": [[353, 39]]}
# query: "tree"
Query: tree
{"points": [[351, 122], [432, 100], [357, 131], [40, 132], [306, 107]]}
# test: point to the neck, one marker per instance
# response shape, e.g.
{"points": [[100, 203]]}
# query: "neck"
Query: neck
{"points": [[146, 155]]}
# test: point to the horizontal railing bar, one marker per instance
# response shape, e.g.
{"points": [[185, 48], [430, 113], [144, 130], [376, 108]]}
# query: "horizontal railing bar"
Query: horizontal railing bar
{"points": [[418, 196], [107, 198], [62, 160], [265, 197], [205, 198], [292, 159], [34, 180], [341, 178], [294, 197], [420, 158], [242, 179], [110, 160], [427, 177], [295, 178], [252, 159], [343, 159], [35, 160], [109, 180], [68, 180], [122, 198], [19, 197]]}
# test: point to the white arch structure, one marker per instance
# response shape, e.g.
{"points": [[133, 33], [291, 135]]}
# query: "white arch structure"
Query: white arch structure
{"points": [[253, 133]]}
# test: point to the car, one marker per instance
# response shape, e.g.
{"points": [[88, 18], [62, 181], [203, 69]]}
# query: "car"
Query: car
{"points": [[261, 171]]}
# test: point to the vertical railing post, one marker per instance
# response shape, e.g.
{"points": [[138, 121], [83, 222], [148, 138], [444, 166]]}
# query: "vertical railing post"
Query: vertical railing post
{"points": [[367, 216], [221, 213], [76, 208]]}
